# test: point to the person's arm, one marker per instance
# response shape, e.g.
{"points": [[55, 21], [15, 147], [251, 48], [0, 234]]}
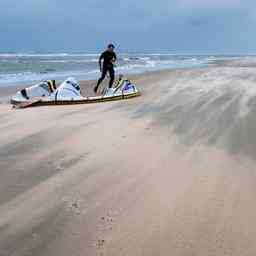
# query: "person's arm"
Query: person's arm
{"points": [[100, 61], [114, 58]]}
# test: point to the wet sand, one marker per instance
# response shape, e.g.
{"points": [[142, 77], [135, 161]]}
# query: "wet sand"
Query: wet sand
{"points": [[169, 173]]}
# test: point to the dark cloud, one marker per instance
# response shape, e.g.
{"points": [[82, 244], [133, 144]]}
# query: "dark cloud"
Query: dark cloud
{"points": [[145, 25]]}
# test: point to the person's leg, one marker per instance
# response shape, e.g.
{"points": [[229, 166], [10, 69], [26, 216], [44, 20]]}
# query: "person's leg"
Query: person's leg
{"points": [[103, 75], [112, 76]]}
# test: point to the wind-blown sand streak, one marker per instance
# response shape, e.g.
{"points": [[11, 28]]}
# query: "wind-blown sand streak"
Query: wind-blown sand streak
{"points": [[168, 173]]}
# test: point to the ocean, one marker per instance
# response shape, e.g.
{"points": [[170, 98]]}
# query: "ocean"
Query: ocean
{"points": [[28, 68]]}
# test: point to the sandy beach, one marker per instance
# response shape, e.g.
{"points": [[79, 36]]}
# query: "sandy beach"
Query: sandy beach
{"points": [[169, 173]]}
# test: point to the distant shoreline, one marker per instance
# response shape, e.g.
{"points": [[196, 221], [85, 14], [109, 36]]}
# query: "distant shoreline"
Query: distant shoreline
{"points": [[23, 69], [7, 91]]}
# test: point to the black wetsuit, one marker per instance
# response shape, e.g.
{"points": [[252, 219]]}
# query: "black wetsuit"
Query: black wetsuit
{"points": [[108, 66]]}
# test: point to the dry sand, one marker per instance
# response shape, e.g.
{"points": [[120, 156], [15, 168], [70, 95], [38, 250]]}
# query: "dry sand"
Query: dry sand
{"points": [[169, 173]]}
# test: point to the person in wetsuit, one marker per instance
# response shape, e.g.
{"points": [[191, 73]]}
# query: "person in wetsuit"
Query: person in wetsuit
{"points": [[109, 58]]}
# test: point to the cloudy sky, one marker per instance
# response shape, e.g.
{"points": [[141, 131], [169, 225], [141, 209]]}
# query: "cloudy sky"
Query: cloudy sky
{"points": [[179, 26]]}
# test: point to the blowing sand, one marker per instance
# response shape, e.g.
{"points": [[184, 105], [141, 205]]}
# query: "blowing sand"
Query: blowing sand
{"points": [[169, 173]]}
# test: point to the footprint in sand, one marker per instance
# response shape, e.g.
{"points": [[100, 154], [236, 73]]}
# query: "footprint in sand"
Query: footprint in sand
{"points": [[75, 207], [100, 243], [107, 222]]}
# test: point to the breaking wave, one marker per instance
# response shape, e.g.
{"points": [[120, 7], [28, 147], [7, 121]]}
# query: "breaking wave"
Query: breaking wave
{"points": [[22, 68]]}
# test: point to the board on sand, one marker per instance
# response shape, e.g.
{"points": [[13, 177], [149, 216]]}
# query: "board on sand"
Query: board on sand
{"points": [[89, 100], [69, 93]]}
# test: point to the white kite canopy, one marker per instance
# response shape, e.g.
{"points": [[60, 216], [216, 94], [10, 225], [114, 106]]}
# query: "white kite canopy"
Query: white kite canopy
{"points": [[122, 86], [43, 89], [68, 90], [69, 93], [125, 86]]}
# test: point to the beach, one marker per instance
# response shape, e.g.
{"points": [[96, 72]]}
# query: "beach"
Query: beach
{"points": [[171, 172]]}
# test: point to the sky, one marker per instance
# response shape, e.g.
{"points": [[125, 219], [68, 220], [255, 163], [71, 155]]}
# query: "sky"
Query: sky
{"points": [[175, 26]]}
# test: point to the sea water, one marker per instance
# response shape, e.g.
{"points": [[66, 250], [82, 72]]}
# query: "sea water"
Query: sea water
{"points": [[29, 68]]}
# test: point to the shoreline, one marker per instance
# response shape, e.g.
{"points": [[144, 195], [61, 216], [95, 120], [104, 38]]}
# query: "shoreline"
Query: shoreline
{"points": [[7, 91], [150, 65]]}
